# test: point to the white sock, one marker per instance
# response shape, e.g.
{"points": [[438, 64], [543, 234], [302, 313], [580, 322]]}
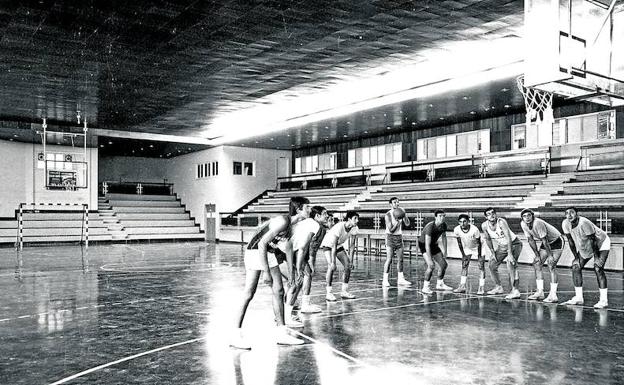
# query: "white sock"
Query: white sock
{"points": [[328, 289], [462, 280], [578, 292], [345, 287], [540, 284], [305, 300], [481, 282], [288, 311], [401, 277], [425, 284], [553, 288], [440, 282], [385, 278], [603, 294]]}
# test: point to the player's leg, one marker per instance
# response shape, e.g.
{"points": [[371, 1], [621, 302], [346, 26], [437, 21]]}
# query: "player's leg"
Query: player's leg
{"points": [[346, 264], [426, 289], [401, 281], [481, 261], [512, 269], [329, 276], [388, 262], [463, 278], [306, 304], [556, 248], [577, 278], [442, 265], [495, 262], [282, 337], [538, 265], [599, 264]]}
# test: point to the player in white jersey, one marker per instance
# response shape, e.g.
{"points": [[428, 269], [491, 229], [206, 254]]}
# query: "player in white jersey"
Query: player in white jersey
{"points": [[586, 241], [549, 252], [394, 243], [332, 246], [469, 242], [302, 235], [503, 243]]}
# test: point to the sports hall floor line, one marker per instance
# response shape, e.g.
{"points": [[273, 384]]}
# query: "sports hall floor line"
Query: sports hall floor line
{"points": [[95, 369], [327, 346]]}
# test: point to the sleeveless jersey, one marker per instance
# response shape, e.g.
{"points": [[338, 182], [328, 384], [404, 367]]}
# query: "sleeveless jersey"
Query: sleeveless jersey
{"points": [[498, 235], [263, 229]]}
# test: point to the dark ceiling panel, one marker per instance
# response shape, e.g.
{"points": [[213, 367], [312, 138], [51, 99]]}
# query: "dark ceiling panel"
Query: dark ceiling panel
{"points": [[173, 67]]}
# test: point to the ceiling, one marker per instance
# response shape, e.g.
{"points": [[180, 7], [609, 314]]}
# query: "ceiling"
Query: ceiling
{"points": [[176, 68]]}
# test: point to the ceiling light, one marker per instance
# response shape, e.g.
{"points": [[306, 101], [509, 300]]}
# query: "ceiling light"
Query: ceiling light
{"points": [[507, 106], [438, 75], [473, 112], [151, 146], [504, 89], [101, 145], [110, 142]]}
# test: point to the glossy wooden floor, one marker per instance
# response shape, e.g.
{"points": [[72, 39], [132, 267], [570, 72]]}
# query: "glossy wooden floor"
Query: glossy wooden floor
{"points": [[162, 314]]}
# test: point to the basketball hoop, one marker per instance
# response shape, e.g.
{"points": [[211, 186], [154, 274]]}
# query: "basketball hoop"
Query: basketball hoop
{"points": [[538, 103]]}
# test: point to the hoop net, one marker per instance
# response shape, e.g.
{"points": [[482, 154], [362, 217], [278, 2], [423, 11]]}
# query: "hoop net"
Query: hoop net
{"points": [[538, 103]]}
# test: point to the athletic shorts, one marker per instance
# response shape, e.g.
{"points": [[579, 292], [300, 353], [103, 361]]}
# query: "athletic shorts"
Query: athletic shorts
{"points": [[338, 249], [554, 245], [471, 252], [252, 259], [394, 241], [435, 249], [516, 249]]}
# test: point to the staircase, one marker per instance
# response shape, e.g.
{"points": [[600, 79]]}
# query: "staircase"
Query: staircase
{"points": [[108, 216], [550, 185]]}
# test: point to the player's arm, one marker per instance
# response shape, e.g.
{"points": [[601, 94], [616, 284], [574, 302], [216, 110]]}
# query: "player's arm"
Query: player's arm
{"points": [[428, 245], [460, 245], [391, 225], [480, 246], [505, 227], [299, 262], [530, 239], [352, 246], [572, 245], [595, 247], [315, 244], [406, 220], [276, 225], [488, 239], [444, 244]]}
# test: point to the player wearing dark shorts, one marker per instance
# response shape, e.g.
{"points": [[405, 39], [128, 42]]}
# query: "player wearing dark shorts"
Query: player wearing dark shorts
{"points": [[428, 244]]}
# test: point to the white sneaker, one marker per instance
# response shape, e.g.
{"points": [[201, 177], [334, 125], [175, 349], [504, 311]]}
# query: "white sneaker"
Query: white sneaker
{"points": [[346, 295], [385, 283], [515, 294], [283, 338], [403, 282], [443, 286], [293, 323], [427, 290], [460, 289], [239, 342], [537, 296], [481, 290], [330, 297], [497, 290], [574, 301], [552, 298], [311, 309], [601, 304]]}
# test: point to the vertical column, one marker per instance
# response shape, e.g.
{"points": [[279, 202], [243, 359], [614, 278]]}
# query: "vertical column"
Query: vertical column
{"points": [[20, 228]]}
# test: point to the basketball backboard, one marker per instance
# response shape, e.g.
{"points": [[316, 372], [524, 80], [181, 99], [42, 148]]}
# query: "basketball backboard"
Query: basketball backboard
{"points": [[575, 48]]}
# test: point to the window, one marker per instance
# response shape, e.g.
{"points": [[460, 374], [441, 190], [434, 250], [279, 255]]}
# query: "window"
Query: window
{"points": [[205, 170], [249, 169], [473, 142], [370, 156], [519, 137], [215, 168], [237, 168]]}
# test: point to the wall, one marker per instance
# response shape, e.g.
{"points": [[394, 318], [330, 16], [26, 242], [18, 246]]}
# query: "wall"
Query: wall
{"points": [[229, 192], [132, 169], [23, 182]]}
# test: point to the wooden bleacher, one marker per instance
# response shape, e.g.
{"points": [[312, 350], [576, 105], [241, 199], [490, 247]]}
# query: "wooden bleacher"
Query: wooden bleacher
{"points": [[144, 217]]}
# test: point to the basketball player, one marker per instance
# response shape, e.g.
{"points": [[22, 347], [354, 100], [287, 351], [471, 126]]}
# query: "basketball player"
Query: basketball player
{"points": [[269, 247], [468, 239], [586, 241], [332, 246], [503, 243], [302, 234], [428, 244], [394, 243], [549, 252]]}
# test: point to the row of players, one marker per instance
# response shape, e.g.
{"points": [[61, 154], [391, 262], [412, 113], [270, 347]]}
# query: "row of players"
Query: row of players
{"points": [[295, 239]]}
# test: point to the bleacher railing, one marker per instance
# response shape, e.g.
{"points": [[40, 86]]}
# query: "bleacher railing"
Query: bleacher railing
{"points": [[138, 188]]}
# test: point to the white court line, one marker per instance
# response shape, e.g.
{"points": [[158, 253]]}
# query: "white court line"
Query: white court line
{"points": [[83, 373], [327, 346]]}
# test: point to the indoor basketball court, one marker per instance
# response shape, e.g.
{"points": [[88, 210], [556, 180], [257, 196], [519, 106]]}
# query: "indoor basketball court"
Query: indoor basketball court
{"points": [[153, 149]]}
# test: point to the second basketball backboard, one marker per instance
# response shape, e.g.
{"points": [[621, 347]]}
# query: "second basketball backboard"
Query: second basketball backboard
{"points": [[575, 48]]}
